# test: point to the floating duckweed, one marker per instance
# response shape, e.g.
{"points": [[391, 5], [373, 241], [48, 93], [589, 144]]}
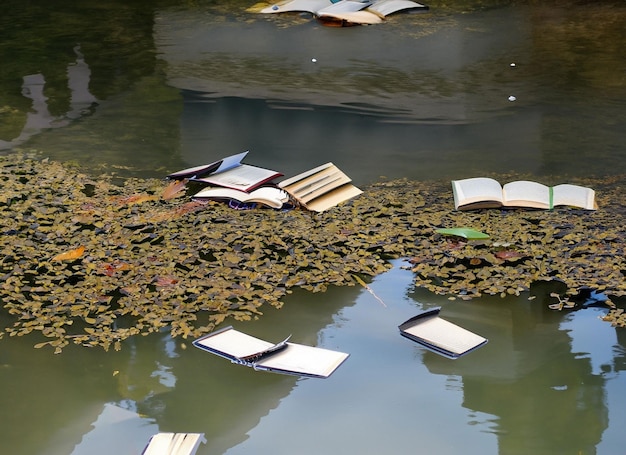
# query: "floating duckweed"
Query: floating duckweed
{"points": [[96, 267]]}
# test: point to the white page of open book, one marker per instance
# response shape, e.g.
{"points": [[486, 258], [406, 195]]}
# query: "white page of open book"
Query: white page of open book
{"points": [[574, 195], [445, 335], [231, 161], [476, 189], [241, 177], [274, 197], [525, 193], [299, 358], [235, 343]]}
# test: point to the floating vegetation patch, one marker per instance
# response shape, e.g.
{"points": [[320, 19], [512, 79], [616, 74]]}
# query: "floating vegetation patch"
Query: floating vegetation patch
{"points": [[616, 317], [86, 261]]}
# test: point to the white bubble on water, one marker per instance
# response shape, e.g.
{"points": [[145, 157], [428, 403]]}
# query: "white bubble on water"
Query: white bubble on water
{"points": [[314, 60], [512, 98]]}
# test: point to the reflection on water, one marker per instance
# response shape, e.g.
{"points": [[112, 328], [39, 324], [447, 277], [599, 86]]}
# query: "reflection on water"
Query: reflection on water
{"points": [[421, 96], [39, 118], [532, 379], [159, 86], [539, 376], [117, 430], [521, 393]]}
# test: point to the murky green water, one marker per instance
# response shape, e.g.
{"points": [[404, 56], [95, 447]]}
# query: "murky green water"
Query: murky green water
{"points": [[146, 88]]}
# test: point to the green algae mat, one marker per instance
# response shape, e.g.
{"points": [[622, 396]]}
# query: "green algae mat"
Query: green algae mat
{"points": [[92, 261]]}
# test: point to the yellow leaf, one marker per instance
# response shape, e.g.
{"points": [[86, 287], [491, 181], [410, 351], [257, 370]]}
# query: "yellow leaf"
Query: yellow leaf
{"points": [[173, 189], [70, 255]]}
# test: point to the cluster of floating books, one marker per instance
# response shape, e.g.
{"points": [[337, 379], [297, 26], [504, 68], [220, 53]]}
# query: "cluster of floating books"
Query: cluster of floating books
{"points": [[345, 12], [427, 329], [231, 180], [326, 186]]}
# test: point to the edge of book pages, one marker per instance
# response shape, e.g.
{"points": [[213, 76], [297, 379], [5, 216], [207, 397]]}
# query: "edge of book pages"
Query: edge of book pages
{"points": [[284, 357], [174, 444], [269, 195], [439, 335], [320, 188]]}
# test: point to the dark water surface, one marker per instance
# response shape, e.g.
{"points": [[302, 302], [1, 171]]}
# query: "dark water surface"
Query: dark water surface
{"points": [[146, 88]]}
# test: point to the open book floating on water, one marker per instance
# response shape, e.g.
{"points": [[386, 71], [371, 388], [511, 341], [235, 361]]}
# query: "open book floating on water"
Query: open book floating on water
{"points": [[267, 195], [228, 179], [284, 357], [229, 172], [320, 188], [484, 192], [174, 444], [439, 335], [344, 12]]}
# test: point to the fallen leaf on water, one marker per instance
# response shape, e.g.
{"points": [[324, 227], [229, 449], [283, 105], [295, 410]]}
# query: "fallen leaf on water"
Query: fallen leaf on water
{"points": [[70, 255], [508, 255], [165, 281], [137, 199], [117, 266], [173, 189]]}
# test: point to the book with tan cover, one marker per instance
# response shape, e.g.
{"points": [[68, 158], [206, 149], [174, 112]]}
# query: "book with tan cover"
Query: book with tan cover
{"points": [[320, 188]]}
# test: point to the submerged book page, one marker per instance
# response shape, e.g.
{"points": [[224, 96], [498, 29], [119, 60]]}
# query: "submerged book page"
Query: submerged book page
{"points": [[445, 335], [299, 358]]}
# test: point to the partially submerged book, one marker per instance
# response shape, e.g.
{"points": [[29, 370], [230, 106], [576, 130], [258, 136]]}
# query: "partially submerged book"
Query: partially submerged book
{"points": [[483, 192], [320, 188], [229, 172], [267, 195], [440, 336], [174, 444], [284, 357]]}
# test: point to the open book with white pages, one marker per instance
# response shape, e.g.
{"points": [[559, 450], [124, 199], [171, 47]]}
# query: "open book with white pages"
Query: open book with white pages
{"points": [[284, 357], [229, 172], [440, 336]]}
